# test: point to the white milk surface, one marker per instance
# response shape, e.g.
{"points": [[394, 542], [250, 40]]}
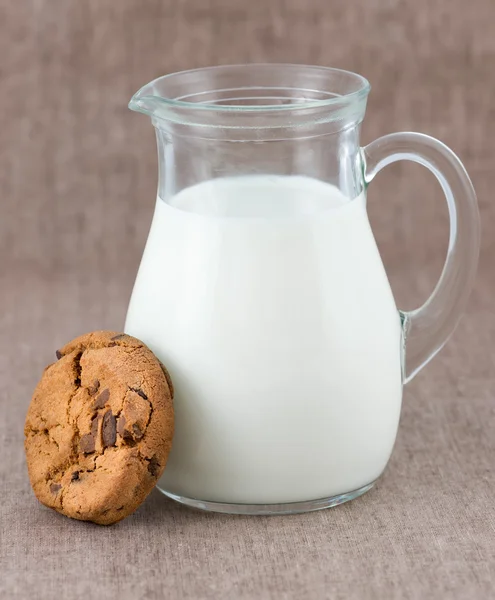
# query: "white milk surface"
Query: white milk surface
{"points": [[266, 298]]}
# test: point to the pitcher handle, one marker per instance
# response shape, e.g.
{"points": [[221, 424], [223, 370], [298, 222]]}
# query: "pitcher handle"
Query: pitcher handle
{"points": [[427, 328]]}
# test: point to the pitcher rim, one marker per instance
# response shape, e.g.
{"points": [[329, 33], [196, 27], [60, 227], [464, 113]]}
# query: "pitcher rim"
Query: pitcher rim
{"points": [[361, 90]]}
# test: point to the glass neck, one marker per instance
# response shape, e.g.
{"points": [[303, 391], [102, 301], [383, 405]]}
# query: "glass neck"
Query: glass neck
{"points": [[185, 160], [257, 119]]}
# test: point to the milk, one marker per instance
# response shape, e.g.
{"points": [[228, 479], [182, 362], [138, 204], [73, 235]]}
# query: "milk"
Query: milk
{"points": [[266, 298]]}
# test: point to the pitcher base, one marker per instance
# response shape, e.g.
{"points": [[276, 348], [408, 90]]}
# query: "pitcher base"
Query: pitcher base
{"points": [[289, 508]]}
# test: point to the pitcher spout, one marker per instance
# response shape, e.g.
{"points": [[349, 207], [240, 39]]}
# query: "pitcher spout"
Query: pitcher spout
{"points": [[148, 101]]}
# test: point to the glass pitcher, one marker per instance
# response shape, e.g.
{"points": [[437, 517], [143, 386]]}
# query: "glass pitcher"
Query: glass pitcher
{"points": [[262, 290]]}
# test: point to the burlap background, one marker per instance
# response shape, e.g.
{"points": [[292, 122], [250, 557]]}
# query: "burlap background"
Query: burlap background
{"points": [[77, 182]]}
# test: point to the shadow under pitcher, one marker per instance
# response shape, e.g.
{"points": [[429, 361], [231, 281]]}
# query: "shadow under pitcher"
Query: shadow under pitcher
{"points": [[262, 290]]}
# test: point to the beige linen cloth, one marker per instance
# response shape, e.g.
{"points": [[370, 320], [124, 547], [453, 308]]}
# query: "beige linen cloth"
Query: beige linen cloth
{"points": [[77, 187]]}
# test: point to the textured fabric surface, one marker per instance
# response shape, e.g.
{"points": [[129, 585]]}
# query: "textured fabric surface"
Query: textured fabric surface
{"points": [[77, 181]]}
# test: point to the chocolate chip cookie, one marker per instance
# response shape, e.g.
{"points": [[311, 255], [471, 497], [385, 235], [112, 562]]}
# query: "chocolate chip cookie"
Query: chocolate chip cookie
{"points": [[99, 428]]}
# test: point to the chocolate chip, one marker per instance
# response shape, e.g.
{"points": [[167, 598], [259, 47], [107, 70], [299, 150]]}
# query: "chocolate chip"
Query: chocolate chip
{"points": [[94, 387], [154, 466], [94, 425], [102, 399], [138, 434], [75, 476], [140, 393], [118, 336], [112, 344], [55, 487], [58, 354], [109, 430], [87, 443]]}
